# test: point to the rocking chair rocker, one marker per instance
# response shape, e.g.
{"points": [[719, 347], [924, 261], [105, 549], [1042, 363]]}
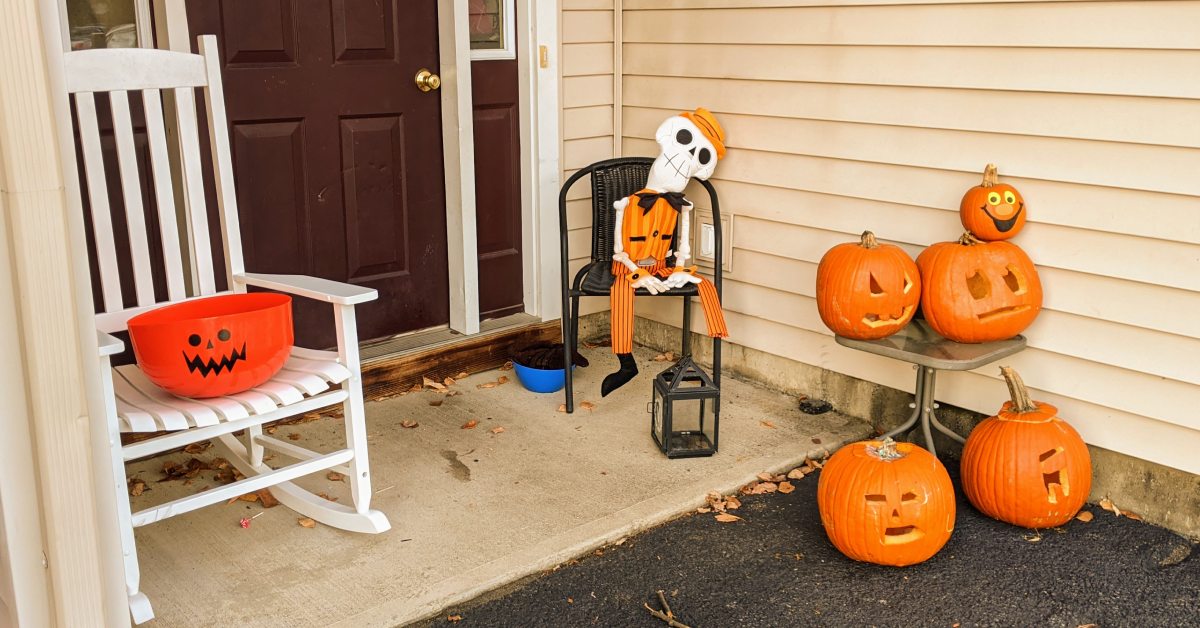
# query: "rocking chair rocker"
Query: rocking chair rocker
{"points": [[310, 379]]}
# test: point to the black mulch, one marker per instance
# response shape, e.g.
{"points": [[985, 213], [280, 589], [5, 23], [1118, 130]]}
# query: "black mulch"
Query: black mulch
{"points": [[776, 568]]}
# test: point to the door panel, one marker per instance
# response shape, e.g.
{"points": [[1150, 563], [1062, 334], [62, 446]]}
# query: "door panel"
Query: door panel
{"points": [[498, 187], [337, 154]]}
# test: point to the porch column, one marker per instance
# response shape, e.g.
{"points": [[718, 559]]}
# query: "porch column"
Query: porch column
{"points": [[47, 329]]}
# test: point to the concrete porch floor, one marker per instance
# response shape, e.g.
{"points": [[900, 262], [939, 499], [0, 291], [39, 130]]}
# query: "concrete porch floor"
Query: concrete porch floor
{"points": [[471, 510]]}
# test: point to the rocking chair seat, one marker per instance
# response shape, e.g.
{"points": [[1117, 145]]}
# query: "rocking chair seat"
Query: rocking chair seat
{"points": [[144, 407]]}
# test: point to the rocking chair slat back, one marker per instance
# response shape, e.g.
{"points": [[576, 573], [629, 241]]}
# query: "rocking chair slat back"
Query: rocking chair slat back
{"points": [[120, 72]]}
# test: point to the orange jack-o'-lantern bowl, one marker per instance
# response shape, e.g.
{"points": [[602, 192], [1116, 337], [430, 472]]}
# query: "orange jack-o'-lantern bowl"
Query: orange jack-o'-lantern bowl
{"points": [[214, 346]]}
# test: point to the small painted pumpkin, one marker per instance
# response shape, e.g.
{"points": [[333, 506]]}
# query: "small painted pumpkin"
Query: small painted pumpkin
{"points": [[885, 502], [992, 211], [1026, 466], [974, 291], [867, 290]]}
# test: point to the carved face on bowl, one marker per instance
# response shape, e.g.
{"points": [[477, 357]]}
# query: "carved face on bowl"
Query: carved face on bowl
{"points": [[976, 291], [867, 290], [214, 355]]}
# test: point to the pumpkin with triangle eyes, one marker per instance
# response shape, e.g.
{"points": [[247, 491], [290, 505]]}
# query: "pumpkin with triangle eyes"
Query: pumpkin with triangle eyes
{"points": [[1026, 466], [867, 290], [974, 291], [885, 502], [214, 346], [991, 210]]}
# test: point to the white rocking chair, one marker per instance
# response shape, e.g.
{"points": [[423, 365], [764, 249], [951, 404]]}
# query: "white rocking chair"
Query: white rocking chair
{"points": [[310, 379]]}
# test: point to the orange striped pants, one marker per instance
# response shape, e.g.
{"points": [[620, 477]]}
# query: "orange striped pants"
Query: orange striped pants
{"points": [[621, 302]]}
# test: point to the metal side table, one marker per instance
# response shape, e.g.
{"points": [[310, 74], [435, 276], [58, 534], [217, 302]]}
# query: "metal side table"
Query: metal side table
{"points": [[930, 352]]}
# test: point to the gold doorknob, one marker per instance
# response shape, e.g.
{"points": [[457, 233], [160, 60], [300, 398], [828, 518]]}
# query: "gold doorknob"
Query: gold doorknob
{"points": [[427, 81]]}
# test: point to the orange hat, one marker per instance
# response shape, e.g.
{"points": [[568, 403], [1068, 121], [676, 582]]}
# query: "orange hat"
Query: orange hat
{"points": [[708, 125]]}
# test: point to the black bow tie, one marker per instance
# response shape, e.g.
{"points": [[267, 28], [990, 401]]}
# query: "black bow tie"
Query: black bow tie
{"points": [[674, 199]]}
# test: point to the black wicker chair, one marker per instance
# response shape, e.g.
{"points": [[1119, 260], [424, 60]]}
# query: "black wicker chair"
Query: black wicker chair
{"points": [[612, 180]]}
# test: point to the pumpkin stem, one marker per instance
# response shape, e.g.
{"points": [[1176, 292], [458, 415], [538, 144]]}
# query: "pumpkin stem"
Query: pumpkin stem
{"points": [[1021, 401], [990, 176], [886, 450], [868, 240], [968, 238]]}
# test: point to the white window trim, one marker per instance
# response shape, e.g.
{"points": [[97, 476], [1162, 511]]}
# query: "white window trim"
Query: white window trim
{"points": [[508, 34]]}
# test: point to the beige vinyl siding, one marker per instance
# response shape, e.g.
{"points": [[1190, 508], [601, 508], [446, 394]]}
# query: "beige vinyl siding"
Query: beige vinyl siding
{"points": [[879, 115], [588, 95]]}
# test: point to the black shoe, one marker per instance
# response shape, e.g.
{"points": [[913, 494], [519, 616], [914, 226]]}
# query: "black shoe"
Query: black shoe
{"points": [[618, 379]]}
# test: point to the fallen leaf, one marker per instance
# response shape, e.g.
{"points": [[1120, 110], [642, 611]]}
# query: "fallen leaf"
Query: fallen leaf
{"points": [[767, 424], [305, 522], [454, 618], [327, 497], [272, 429], [778, 478], [733, 503], [436, 402], [1084, 516], [764, 487], [415, 388], [429, 383], [487, 385], [704, 510], [813, 464], [786, 487], [727, 518], [503, 379], [1132, 515], [587, 405], [797, 473], [1032, 537], [665, 357], [249, 497], [136, 487], [196, 448], [765, 477], [449, 381], [334, 476], [293, 436], [266, 498], [496, 430], [508, 366], [470, 425], [409, 424], [562, 407], [1107, 504]]}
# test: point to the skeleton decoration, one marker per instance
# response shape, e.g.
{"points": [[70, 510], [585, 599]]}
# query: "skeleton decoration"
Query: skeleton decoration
{"points": [[646, 222]]}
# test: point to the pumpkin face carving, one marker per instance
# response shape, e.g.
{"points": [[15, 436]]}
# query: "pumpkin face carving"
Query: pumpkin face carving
{"points": [[1026, 466], [867, 290], [886, 503], [975, 291], [992, 211], [214, 346]]}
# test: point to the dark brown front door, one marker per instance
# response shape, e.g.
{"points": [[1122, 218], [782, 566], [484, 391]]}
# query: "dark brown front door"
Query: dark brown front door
{"points": [[337, 154], [498, 186]]}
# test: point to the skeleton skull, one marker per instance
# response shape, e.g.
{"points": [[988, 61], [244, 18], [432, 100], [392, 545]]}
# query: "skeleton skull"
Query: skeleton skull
{"points": [[684, 153]]}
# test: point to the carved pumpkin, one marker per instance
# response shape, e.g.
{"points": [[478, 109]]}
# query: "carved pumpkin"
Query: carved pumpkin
{"points": [[885, 502], [215, 346], [867, 290], [973, 291], [992, 211], [1026, 465]]}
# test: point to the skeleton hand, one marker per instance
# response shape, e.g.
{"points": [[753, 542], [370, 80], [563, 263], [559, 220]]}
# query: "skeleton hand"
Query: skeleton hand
{"points": [[680, 278], [652, 284]]}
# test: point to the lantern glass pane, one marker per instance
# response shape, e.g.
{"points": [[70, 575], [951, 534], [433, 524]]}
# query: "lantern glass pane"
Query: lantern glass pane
{"points": [[691, 424], [656, 416]]}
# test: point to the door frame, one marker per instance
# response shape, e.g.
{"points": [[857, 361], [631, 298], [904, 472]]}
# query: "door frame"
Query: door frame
{"points": [[537, 29]]}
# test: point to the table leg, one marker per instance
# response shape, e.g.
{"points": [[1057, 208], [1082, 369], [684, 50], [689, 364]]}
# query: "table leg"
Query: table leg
{"points": [[927, 408], [918, 404]]}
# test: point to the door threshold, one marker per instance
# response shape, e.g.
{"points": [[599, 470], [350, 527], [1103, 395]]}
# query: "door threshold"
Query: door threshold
{"points": [[397, 364]]}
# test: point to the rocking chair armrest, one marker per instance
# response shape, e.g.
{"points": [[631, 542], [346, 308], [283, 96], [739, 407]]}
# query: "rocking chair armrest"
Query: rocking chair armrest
{"points": [[108, 344], [311, 287]]}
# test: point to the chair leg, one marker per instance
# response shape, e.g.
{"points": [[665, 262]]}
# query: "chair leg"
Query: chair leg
{"points": [[353, 410], [570, 343], [686, 349], [139, 605]]}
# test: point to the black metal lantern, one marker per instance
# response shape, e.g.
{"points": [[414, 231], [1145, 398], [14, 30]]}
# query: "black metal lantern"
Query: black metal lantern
{"points": [[685, 411]]}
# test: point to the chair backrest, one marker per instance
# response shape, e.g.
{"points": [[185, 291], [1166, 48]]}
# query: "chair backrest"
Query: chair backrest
{"points": [[118, 72]]}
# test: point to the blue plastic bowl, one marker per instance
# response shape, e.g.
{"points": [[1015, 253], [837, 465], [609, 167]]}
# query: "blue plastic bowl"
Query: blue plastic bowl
{"points": [[541, 380]]}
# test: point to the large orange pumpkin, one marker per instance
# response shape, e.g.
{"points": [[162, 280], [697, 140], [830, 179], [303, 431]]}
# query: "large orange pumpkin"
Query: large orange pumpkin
{"points": [[867, 290], [973, 291], [1026, 465], [885, 502], [991, 210]]}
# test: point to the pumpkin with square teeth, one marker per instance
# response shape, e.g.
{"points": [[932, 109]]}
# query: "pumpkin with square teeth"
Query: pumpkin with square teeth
{"points": [[885, 502], [214, 346], [1026, 465], [867, 290], [974, 291], [992, 211]]}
